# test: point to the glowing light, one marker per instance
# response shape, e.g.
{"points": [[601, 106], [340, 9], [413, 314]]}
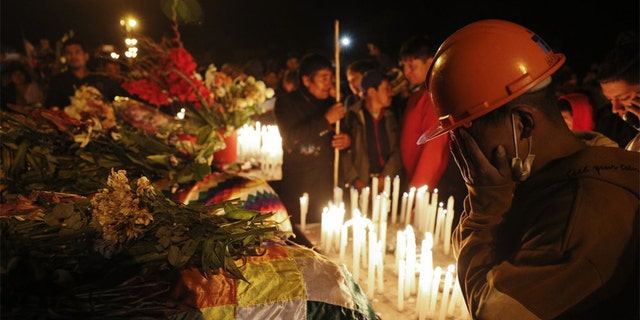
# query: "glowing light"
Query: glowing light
{"points": [[345, 41]]}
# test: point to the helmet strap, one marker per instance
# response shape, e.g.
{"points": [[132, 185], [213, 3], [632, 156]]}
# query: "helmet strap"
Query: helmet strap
{"points": [[521, 170]]}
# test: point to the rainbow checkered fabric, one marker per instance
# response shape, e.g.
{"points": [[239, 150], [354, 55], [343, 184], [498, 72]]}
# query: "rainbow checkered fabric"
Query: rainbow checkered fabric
{"points": [[289, 282]]}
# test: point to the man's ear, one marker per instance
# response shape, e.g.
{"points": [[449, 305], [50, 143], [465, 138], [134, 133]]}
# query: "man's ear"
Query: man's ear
{"points": [[306, 81], [527, 121]]}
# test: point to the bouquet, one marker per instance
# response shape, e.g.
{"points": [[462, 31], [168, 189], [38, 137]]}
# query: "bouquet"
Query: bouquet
{"points": [[111, 255], [238, 99]]}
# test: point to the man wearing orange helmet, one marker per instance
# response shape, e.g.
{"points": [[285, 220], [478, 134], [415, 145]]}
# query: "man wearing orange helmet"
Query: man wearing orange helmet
{"points": [[550, 229]]}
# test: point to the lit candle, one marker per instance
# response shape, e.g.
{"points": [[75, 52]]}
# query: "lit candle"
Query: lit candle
{"points": [[386, 188], [374, 187], [448, 225], [380, 265], [394, 199], [454, 298], [337, 196], [371, 266], [327, 225], [304, 207], [358, 230], [412, 194], [344, 234], [364, 201], [437, 235], [448, 283], [433, 207], [403, 207], [424, 288], [401, 286], [426, 255], [435, 286], [382, 228], [354, 199], [410, 287], [401, 244], [375, 216], [418, 211]]}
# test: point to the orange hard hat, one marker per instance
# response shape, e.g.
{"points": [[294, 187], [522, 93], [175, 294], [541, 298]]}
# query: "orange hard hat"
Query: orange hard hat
{"points": [[483, 66]]}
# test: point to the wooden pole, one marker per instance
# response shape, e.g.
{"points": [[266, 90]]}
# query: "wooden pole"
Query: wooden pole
{"points": [[336, 157]]}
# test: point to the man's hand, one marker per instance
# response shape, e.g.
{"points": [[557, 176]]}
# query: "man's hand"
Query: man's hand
{"points": [[474, 166], [632, 114], [341, 141], [335, 113]]}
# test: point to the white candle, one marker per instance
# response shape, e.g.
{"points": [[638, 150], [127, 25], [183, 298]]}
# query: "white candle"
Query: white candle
{"points": [[358, 231], [418, 209], [304, 207], [403, 207], [371, 266], [410, 288], [424, 289], [328, 234], [323, 227], [375, 216], [412, 194], [434, 212], [354, 200], [437, 235], [337, 196], [454, 297], [401, 244], [448, 283], [426, 254], [448, 225], [382, 228], [435, 286], [386, 188], [401, 286], [380, 265], [394, 199], [344, 234], [364, 201], [374, 187]]}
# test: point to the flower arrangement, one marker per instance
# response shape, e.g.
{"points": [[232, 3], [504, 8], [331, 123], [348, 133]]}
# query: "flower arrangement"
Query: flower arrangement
{"points": [[238, 99], [70, 256], [165, 76], [74, 149]]}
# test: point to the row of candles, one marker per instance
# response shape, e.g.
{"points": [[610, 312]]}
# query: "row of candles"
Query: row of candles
{"points": [[261, 145], [369, 242]]}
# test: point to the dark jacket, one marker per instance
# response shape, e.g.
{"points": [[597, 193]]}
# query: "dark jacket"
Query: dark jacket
{"points": [[307, 164], [63, 85], [355, 163]]}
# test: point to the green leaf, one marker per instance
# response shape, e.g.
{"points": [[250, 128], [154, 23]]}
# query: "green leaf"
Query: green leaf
{"points": [[174, 256]]}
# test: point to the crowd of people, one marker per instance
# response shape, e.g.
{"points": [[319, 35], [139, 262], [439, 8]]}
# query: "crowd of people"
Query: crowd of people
{"points": [[558, 217]]}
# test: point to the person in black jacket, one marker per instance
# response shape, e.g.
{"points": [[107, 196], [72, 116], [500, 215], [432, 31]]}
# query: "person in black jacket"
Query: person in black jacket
{"points": [[306, 120]]}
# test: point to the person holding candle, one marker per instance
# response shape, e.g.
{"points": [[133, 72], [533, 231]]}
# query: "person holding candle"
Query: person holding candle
{"points": [[306, 120], [375, 147], [550, 230]]}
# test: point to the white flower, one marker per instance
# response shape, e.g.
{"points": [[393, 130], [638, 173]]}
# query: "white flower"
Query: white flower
{"points": [[241, 103], [269, 93], [261, 86]]}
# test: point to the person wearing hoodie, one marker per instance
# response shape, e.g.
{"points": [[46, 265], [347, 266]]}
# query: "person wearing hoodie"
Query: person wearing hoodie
{"points": [[550, 225]]}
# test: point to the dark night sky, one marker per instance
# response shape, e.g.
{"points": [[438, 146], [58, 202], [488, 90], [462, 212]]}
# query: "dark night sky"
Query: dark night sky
{"points": [[235, 30]]}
